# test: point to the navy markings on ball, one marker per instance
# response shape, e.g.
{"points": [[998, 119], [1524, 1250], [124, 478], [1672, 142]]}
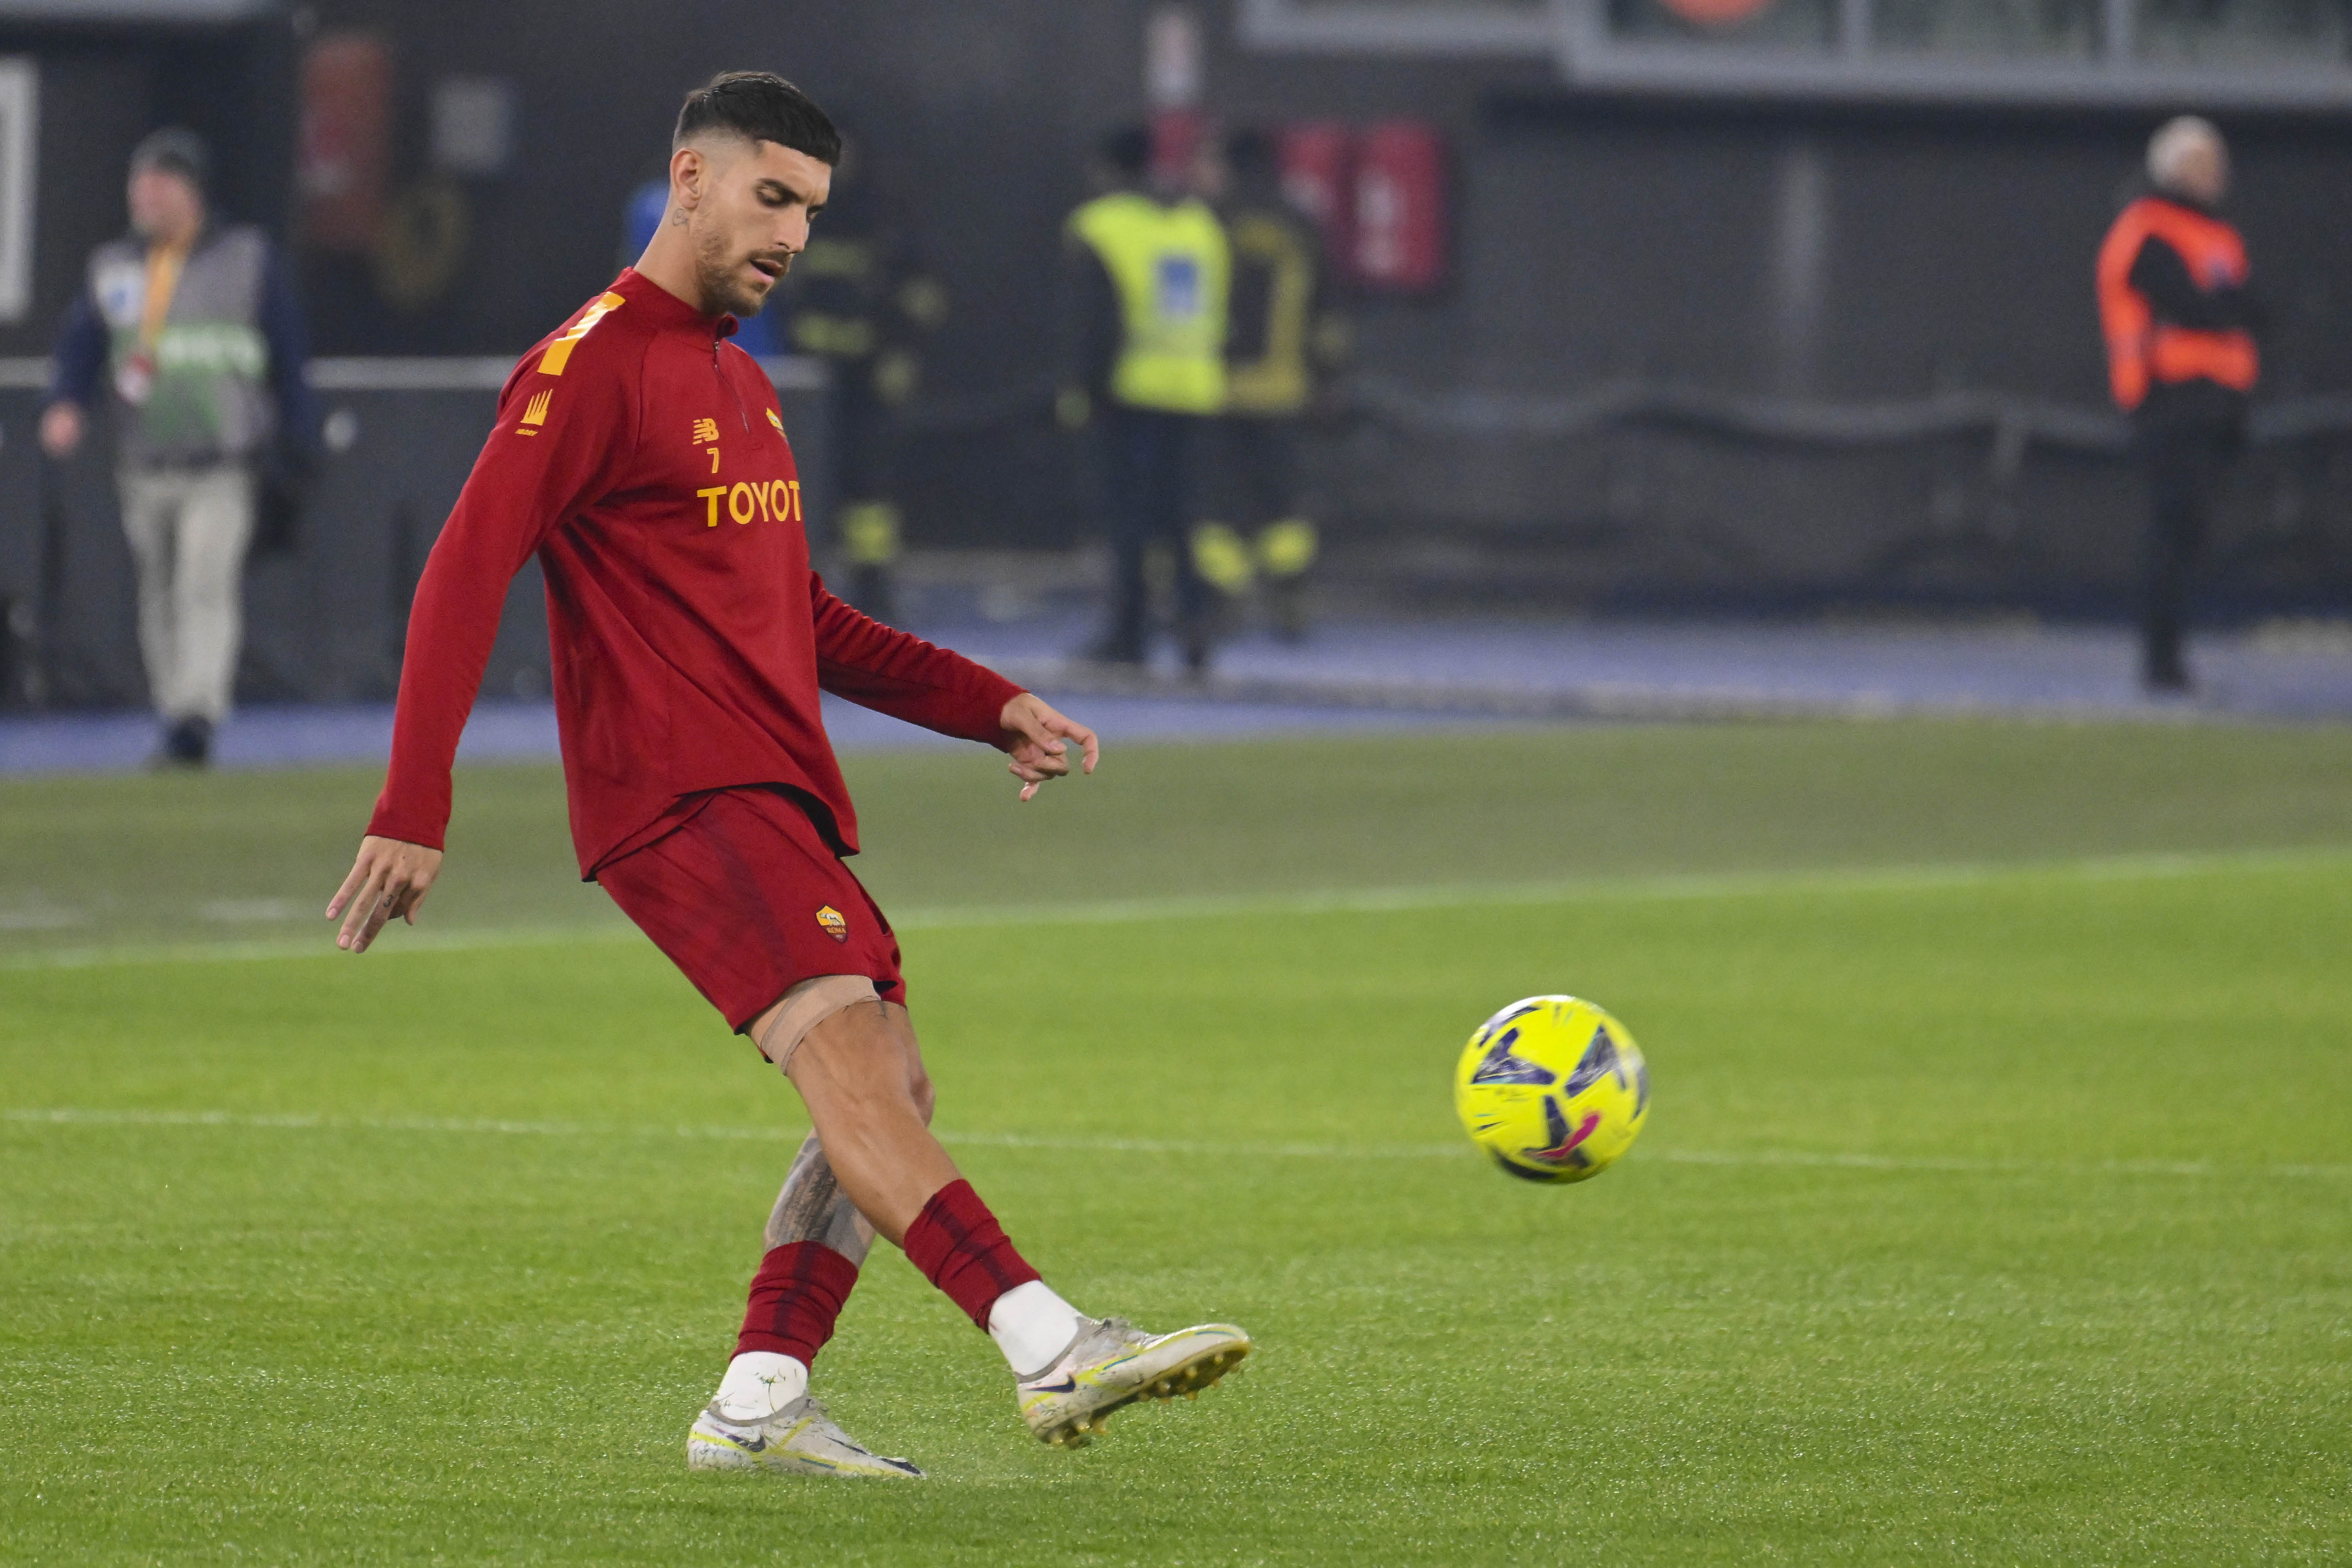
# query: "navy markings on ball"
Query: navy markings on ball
{"points": [[1513, 1168], [1600, 1058], [1500, 1065], [1517, 1010]]}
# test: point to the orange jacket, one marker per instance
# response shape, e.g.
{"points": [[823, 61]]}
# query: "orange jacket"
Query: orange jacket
{"points": [[2142, 350]]}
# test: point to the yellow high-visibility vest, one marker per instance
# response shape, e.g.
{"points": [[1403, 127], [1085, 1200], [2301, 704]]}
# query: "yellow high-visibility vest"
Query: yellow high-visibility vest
{"points": [[1277, 382], [1173, 272]]}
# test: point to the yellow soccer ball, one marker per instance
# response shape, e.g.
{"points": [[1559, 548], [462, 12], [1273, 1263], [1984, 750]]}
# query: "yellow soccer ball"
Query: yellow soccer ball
{"points": [[1553, 1088]]}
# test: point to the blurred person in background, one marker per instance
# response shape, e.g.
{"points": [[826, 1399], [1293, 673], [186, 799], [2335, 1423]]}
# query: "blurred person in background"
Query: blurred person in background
{"points": [[194, 327], [2182, 360], [1147, 272], [1281, 340], [860, 298]]}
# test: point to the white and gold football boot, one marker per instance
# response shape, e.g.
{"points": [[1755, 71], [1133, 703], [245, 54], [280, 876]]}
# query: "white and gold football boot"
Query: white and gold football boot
{"points": [[1112, 1363], [800, 1439]]}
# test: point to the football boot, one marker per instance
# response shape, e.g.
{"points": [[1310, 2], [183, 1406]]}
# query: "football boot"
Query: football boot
{"points": [[798, 1440], [1111, 1364]]}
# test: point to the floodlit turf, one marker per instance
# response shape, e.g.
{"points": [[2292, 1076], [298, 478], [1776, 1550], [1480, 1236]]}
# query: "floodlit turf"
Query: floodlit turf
{"points": [[2002, 1217], [93, 863]]}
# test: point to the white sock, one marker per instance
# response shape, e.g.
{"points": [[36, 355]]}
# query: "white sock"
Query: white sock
{"points": [[1032, 1327], [759, 1384]]}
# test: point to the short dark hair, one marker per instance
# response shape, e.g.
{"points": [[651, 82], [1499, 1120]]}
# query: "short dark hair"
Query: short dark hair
{"points": [[175, 151], [1127, 149], [762, 107]]}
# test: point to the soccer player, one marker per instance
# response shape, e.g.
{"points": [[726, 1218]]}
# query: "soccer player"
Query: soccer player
{"points": [[642, 457]]}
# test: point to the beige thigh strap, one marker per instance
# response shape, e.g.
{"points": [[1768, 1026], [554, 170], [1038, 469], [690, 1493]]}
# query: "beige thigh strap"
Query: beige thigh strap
{"points": [[806, 1006]]}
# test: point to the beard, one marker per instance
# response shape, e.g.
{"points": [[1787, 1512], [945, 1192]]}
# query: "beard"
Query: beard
{"points": [[720, 278]]}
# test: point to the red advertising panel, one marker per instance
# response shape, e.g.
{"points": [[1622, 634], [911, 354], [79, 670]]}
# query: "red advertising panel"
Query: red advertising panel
{"points": [[1715, 13], [344, 153], [1399, 242], [1318, 169]]}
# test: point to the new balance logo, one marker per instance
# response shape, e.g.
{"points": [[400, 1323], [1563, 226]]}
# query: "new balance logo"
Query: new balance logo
{"points": [[704, 430], [534, 413]]}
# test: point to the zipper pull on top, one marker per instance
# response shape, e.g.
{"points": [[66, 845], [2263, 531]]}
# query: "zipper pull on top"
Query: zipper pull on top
{"points": [[742, 411]]}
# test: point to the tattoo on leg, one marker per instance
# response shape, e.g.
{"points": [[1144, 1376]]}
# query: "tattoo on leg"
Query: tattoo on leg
{"points": [[813, 1208]]}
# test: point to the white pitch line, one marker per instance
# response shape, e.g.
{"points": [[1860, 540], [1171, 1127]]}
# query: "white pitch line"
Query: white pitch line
{"points": [[321, 946], [1732, 885], [1361, 900], [70, 1116]]}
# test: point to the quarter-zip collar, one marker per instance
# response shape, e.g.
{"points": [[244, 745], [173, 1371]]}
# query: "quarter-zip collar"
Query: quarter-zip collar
{"points": [[667, 309]]}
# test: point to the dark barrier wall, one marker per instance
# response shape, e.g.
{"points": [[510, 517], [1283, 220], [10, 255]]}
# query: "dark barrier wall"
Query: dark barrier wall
{"points": [[1785, 254], [1853, 356], [326, 622]]}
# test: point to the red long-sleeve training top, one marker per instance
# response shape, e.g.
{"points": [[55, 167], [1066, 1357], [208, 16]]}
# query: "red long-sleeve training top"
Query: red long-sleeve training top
{"points": [[642, 458]]}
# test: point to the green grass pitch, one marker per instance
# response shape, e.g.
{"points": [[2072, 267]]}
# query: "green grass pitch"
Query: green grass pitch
{"points": [[1996, 1203]]}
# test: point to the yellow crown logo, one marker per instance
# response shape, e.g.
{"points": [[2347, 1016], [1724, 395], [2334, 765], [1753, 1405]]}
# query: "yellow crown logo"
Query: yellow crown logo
{"points": [[534, 413]]}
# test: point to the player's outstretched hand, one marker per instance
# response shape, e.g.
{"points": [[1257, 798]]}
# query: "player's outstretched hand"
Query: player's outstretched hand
{"points": [[1041, 739], [390, 878]]}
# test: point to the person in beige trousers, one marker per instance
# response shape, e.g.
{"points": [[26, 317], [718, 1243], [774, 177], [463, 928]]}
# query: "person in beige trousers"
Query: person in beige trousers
{"points": [[195, 327]]}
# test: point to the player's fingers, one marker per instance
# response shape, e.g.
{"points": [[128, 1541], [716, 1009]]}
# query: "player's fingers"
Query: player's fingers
{"points": [[355, 912], [1041, 751], [359, 868], [1087, 741], [411, 897], [369, 928], [387, 904], [1061, 724]]}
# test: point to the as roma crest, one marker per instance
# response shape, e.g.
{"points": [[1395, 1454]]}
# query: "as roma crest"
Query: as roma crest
{"points": [[835, 926]]}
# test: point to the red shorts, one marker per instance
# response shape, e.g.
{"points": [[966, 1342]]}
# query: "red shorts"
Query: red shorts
{"points": [[748, 900]]}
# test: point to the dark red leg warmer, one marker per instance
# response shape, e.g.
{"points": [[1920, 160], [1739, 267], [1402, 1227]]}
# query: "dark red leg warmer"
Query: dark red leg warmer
{"points": [[795, 1297], [960, 1249]]}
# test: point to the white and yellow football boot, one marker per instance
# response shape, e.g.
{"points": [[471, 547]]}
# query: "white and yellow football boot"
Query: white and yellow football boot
{"points": [[800, 1439], [1112, 1363]]}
